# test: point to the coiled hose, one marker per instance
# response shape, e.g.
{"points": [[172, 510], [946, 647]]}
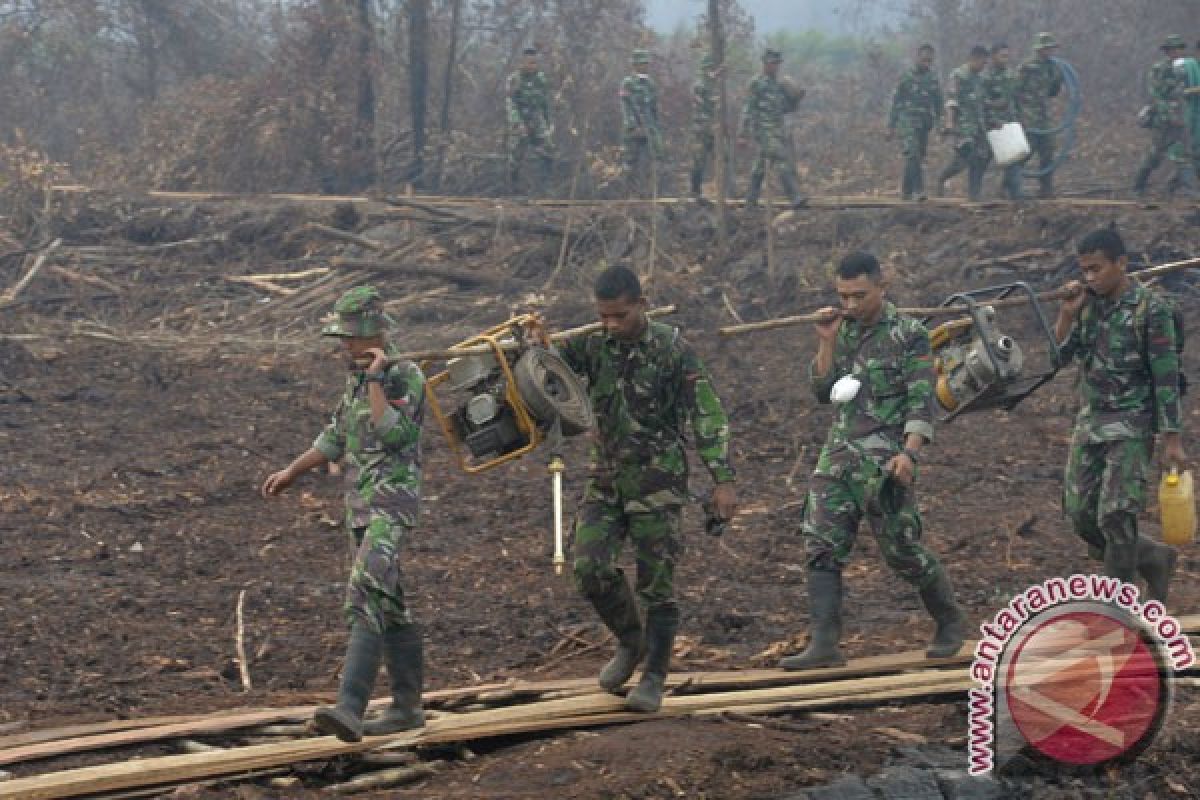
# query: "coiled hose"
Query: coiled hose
{"points": [[1067, 126]]}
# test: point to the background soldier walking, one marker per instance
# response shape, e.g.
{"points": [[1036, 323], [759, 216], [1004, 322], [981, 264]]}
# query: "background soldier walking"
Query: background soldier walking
{"points": [[641, 142], [704, 114], [1000, 108], [767, 100], [376, 433], [1125, 338], [1038, 80], [530, 128], [1168, 122], [916, 110], [966, 119], [646, 384], [869, 462]]}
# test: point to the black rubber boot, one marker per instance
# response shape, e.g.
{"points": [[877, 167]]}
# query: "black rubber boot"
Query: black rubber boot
{"points": [[1187, 182], [938, 597], [619, 611], [363, 655], [1142, 179], [1046, 187], [661, 624], [403, 653], [697, 178], [1156, 564], [975, 174], [824, 626], [754, 190], [791, 185], [1121, 561], [919, 182]]}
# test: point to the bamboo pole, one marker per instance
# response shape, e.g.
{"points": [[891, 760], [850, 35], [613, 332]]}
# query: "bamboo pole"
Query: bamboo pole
{"points": [[953, 310]]}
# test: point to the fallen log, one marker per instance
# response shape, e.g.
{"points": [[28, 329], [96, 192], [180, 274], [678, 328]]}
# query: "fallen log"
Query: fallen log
{"points": [[9, 295]]}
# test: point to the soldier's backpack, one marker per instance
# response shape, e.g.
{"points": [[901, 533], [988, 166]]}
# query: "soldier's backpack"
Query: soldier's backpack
{"points": [[1141, 322]]}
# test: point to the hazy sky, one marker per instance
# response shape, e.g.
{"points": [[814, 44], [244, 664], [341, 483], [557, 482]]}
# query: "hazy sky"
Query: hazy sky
{"points": [[769, 15]]}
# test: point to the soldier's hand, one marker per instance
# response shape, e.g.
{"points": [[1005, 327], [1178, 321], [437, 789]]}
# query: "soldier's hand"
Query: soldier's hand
{"points": [[276, 482], [724, 498], [902, 469], [1074, 297], [1173, 456], [379, 359], [830, 321], [535, 329]]}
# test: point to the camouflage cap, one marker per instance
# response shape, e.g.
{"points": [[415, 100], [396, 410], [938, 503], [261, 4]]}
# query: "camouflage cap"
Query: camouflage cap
{"points": [[1174, 42], [641, 56], [358, 312], [772, 56], [1044, 40]]}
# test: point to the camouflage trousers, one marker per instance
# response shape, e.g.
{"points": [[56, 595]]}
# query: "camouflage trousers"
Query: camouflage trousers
{"points": [[914, 144], [834, 509], [971, 154], [521, 144], [1167, 140], [1104, 489], [641, 157], [775, 150], [374, 596], [606, 519]]}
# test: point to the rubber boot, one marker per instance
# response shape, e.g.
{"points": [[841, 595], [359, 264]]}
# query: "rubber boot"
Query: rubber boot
{"points": [[791, 187], [1046, 186], [1156, 564], [1012, 184], [754, 190], [1141, 179], [825, 623], [620, 614], [404, 656], [975, 172], [661, 624], [1187, 182], [363, 655], [938, 597], [1121, 561], [697, 180], [919, 182]]}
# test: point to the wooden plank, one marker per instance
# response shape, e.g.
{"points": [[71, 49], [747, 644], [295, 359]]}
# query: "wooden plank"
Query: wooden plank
{"points": [[93, 728]]}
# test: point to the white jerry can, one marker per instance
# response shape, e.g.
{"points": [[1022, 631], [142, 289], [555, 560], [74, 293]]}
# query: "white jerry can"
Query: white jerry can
{"points": [[1009, 144]]}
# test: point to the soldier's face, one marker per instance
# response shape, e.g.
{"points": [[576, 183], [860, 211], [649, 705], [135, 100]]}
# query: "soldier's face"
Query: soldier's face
{"points": [[861, 297], [354, 350], [1047, 52], [925, 59], [771, 67], [1103, 275], [530, 64], [623, 318], [976, 63], [1000, 59]]}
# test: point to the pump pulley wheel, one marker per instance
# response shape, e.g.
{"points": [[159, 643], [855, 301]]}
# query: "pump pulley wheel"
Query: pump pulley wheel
{"points": [[550, 389]]}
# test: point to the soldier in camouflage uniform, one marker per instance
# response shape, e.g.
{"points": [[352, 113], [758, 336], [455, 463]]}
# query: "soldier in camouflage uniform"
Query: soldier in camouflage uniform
{"points": [[1000, 108], [641, 142], [916, 110], [704, 113], [1168, 123], [869, 463], [1038, 80], [646, 384], [376, 433], [530, 128], [966, 108], [767, 100], [1125, 339]]}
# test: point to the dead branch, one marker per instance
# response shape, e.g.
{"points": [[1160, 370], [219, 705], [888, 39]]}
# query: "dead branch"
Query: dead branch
{"points": [[386, 778], [240, 641], [9, 295], [345, 236]]}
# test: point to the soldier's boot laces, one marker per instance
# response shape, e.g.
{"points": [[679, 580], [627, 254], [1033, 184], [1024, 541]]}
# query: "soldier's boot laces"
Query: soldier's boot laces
{"points": [[661, 625], [403, 653], [951, 631], [825, 623], [620, 614], [1156, 564], [363, 655]]}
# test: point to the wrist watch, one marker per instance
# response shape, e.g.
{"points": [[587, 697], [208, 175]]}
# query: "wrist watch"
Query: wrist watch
{"points": [[373, 377]]}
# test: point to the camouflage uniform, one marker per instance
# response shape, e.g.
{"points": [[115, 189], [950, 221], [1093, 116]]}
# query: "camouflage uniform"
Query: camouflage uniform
{"points": [[971, 153], [382, 474], [530, 129], [767, 100], [1130, 389], [643, 393], [916, 110], [704, 113], [999, 107], [893, 361], [641, 142], [1039, 79], [1169, 128]]}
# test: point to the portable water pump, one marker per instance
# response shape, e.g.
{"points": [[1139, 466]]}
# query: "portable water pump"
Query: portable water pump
{"points": [[979, 367]]}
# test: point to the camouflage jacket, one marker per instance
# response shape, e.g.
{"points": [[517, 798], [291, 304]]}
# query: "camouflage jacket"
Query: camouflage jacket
{"points": [[999, 97], [1166, 94], [639, 103], [643, 394], [892, 359], [1037, 81], [1129, 377], [966, 91], [528, 100], [382, 462], [704, 104], [766, 102], [918, 100]]}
